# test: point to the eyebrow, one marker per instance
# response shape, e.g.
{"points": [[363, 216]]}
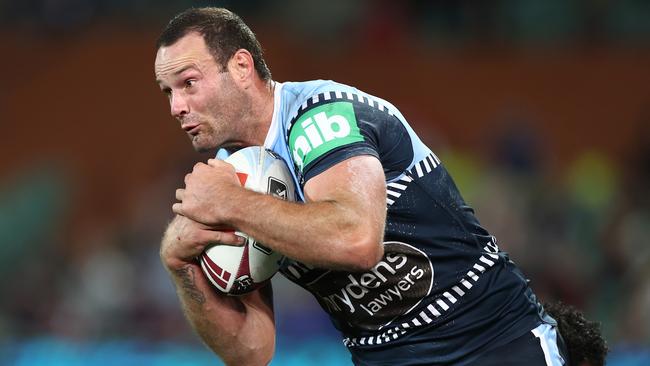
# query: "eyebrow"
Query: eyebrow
{"points": [[178, 72]]}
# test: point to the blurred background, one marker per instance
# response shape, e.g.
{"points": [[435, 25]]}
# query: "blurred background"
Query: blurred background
{"points": [[540, 110]]}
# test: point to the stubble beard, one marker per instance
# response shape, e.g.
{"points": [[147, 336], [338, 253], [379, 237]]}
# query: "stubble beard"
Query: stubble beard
{"points": [[233, 129], [228, 122], [208, 139]]}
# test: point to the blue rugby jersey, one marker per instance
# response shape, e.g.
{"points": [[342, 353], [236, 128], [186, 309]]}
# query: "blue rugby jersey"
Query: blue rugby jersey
{"points": [[443, 293]]}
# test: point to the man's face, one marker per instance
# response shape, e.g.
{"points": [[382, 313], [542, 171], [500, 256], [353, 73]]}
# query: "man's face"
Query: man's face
{"points": [[203, 97]]}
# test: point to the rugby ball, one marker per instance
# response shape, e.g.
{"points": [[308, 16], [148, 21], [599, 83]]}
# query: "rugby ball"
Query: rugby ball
{"points": [[239, 270]]}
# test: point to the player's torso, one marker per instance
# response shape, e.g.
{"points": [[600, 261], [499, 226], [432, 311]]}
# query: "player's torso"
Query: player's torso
{"points": [[442, 279]]}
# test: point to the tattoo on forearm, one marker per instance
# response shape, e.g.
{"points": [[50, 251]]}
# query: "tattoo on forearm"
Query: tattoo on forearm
{"points": [[187, 276]]}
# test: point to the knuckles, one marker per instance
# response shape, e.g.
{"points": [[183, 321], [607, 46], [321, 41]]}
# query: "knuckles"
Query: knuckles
{"points": [[214, 167]]}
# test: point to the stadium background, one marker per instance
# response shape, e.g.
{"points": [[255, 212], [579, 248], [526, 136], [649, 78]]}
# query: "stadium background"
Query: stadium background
{"points": [[540, 109]]}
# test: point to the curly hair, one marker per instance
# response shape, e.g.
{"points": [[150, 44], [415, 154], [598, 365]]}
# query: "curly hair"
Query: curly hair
{"points": [[583, 338]]}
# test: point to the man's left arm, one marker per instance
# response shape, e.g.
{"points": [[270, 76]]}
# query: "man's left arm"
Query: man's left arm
{"points": [[340, 226]]}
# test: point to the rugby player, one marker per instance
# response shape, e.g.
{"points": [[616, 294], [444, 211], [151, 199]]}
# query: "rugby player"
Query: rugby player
{"points": [[382, 238]]}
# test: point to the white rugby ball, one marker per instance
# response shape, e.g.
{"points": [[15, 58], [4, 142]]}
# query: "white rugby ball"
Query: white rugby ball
{"points": [[239, 270]]}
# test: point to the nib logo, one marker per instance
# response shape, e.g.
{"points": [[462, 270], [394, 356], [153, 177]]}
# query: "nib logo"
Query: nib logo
{"points": [[323, 129]]}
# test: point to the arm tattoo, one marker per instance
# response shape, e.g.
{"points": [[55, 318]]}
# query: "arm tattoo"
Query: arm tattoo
{"points": [[187, 276]]}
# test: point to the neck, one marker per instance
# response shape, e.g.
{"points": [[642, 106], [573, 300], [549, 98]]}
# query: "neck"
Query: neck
{"points": [[262, 109]]}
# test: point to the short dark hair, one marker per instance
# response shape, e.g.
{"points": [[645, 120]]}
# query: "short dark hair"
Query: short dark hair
{"points": [[582, 337], [223, 31]]}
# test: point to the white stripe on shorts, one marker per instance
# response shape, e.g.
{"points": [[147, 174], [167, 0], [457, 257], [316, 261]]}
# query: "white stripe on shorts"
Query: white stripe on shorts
{"points": [[548, 338]]}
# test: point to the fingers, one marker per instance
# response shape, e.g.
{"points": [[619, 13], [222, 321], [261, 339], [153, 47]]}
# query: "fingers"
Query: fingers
{"points": [[196, 167], [192, 231], [221, 164], [185, 239], [221, 237], [177, 208], [203, 192], [200, 166]]}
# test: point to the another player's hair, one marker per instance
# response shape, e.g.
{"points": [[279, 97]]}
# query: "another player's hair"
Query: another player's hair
{"points": [[223, 31], [582, 337]]}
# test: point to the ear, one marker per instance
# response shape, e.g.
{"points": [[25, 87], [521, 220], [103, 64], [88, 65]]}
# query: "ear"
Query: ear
{"points": [[242, 67]]}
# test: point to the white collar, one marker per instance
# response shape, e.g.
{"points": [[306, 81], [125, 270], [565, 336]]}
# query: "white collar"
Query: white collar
{"points": [[272, 134]]}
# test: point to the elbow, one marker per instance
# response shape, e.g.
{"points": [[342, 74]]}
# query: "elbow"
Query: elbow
{"points": [[258, 357], [365, 253], [253, 360], [252, 353], [372, 256], [261, 355]]}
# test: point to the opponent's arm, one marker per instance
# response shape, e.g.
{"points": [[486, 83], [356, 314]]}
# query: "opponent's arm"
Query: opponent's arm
{"points": [[340, 226], [241, 330]]}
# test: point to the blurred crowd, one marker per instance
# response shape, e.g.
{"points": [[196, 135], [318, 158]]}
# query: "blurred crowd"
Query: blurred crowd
{"points": [[440, 21], [580, 230]]}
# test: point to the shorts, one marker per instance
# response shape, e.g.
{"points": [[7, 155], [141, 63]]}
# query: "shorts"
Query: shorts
{"points": [[542, 346]]}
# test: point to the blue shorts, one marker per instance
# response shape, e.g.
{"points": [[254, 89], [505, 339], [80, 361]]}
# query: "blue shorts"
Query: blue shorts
{"points": [[542, 346]]}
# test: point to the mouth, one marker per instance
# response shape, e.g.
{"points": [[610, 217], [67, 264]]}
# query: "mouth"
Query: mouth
{"points": [[191, 129]]}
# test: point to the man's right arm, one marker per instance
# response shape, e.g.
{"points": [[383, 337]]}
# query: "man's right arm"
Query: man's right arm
{"points": [[241, 330]]}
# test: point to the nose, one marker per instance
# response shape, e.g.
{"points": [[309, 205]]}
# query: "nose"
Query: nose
{"points": [[179, 106]]}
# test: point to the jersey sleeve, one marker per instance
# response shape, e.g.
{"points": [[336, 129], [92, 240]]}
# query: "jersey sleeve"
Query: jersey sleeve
{"points": [[330, 131]]}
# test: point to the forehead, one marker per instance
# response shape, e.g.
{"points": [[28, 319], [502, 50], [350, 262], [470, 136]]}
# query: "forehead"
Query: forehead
{"points": [[190, 49]]}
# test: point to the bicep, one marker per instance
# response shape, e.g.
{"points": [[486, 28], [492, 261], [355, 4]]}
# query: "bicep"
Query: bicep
{"points": [[357, 184]]}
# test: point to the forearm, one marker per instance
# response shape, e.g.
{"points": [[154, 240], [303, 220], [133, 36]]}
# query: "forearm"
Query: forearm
{"points": [[238, 329], [341, 225], [321, 233]]}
